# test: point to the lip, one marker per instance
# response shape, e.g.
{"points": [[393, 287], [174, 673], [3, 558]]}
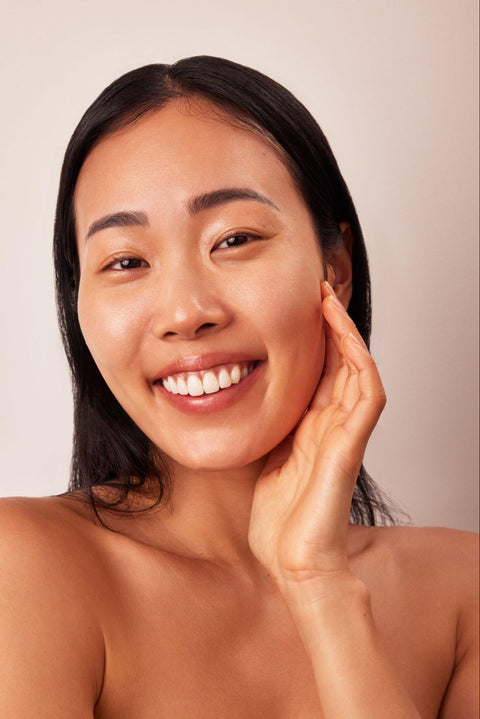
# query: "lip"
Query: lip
{"points": [[197, 363], [207, 403]]}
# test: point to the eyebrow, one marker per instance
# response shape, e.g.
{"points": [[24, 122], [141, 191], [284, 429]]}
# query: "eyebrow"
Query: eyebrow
{"points": [[117, 219], [194, 206], [220, 197]]}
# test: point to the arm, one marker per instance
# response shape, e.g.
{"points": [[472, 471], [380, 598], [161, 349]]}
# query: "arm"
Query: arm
{"points": [[354, 677], [51, 657], [299, 524]]}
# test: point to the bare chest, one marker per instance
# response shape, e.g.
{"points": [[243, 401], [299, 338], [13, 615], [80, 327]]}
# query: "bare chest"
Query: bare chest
{"points": [[197, 648]]}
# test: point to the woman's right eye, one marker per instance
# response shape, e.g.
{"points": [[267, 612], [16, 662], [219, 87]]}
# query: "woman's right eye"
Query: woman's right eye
{"points": [[126, 263]]}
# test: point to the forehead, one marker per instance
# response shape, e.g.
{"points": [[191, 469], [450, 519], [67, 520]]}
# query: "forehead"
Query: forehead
{"points": [[172, 154]]}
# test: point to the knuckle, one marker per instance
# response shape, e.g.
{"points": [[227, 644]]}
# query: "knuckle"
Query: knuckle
{"points": [[381, 399]]}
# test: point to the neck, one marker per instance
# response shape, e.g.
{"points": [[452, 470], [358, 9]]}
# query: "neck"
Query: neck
{"points": [[207, 517], [210, 512]]}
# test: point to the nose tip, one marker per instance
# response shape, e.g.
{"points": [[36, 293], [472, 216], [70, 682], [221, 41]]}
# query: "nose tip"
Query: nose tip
{"points": [[189, 301], [187, 315]]}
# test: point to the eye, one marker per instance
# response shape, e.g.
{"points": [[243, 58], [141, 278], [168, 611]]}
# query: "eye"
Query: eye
{"points": [[235, 241], [126, 263]]}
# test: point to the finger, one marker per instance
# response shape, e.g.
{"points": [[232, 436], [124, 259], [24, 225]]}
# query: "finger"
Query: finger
{"points": [[371, 398], [339, 382], [332, 364], [341, 325], [337, 317], [351, 389]]}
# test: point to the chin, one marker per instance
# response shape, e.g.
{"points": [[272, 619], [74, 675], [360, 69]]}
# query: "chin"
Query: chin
{"points": [[221, 462], [226, 456]]}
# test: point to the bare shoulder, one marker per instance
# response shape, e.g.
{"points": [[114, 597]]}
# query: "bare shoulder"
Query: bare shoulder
{"points": [[430, 567], [49, 545], [39, 531], [433, 550], [428, 555], [436, 571], [49, 628]]}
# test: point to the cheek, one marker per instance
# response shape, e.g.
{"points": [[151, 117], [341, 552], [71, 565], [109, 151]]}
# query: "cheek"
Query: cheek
{"points": [[110, 330], [287, 312], [289, 303]]}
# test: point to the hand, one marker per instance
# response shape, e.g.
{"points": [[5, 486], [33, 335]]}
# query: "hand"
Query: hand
{"points": [[301, 506]]}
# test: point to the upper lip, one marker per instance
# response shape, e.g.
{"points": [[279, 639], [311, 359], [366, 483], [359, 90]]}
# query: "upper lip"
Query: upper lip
{"points": [[198, 363]]}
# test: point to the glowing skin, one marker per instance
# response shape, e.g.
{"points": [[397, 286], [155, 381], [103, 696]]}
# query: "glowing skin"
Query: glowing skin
{"points": [[188, 294]]}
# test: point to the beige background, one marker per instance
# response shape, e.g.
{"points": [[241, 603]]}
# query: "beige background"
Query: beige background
{"points": [[393, 84]]}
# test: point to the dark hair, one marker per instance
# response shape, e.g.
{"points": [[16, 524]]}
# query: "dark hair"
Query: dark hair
{"points": [[108, 447]]}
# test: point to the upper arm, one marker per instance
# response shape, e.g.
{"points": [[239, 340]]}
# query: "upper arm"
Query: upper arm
{"points": [[462, 695], [51, 645]]}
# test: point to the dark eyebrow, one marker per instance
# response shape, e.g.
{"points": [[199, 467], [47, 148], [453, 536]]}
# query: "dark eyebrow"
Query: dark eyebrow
{"points": [[117, 219], [194, 206], [219, 197]]}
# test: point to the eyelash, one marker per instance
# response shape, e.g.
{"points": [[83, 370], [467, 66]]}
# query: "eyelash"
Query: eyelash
{"points": [[119, 260], [235, 236], [138, 262]]}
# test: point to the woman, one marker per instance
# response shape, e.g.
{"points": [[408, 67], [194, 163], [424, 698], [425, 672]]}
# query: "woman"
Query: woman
{"points": [[206, 251]]}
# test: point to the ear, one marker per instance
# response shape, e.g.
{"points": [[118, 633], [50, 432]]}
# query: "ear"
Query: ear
{"points": [[339, 266]]}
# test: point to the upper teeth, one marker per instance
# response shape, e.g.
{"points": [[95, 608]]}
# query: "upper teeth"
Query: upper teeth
{"points": [[207, 382]]}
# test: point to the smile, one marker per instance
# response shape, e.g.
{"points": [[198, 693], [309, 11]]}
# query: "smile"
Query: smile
{"points": [[196, 384]]}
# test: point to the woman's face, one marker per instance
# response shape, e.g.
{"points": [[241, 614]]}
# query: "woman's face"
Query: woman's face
{"points": [[199, 262]]}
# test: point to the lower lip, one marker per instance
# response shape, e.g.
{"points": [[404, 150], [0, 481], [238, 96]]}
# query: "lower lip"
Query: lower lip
{"points": [[210, 402]]}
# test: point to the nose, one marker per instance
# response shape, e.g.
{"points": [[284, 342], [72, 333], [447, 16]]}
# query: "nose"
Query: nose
{"points": [[190, 305]]}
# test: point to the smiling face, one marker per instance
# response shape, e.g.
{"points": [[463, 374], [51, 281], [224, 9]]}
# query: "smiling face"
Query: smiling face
{"points": [[199, 263]]}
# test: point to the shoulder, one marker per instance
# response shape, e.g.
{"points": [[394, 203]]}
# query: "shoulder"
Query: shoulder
{"points": [[48, 612], [38, 529], [50, 543], [436, 570], [438, 554], [46, 548], [434, 566], [431, 550]]}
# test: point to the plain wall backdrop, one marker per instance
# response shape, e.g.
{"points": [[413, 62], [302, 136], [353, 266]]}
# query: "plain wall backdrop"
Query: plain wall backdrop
{"points": [[393, 85]]}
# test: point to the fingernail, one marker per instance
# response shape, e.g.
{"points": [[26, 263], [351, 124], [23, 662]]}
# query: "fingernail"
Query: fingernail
{"points": [[337, 302], [334, 297]]}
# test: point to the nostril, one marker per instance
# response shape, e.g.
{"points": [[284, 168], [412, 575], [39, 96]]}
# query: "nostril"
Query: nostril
{"points": [[200, 329]]}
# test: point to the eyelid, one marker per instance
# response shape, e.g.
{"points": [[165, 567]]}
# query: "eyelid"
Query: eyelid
{"points": [[237, 233], [122, 258]]}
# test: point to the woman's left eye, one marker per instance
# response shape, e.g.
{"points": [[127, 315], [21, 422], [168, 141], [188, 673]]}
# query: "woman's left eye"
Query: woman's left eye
{"points": [[235, 241]]}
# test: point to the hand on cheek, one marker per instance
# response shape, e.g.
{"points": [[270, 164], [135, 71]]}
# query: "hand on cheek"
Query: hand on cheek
{"points": [[302, 500]]}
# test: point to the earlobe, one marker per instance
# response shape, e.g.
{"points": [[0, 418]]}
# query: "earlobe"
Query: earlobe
{"points": [[339, 266]]}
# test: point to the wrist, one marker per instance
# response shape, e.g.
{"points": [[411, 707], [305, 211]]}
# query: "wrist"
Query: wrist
{"points": [[333, 592], [329, 611]]}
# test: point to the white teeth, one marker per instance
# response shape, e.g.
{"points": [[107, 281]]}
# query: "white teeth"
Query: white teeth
{"points": [[210, 383], [181, 386], [194, 386], [172, 385], [236, 374], [224, 379]]}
